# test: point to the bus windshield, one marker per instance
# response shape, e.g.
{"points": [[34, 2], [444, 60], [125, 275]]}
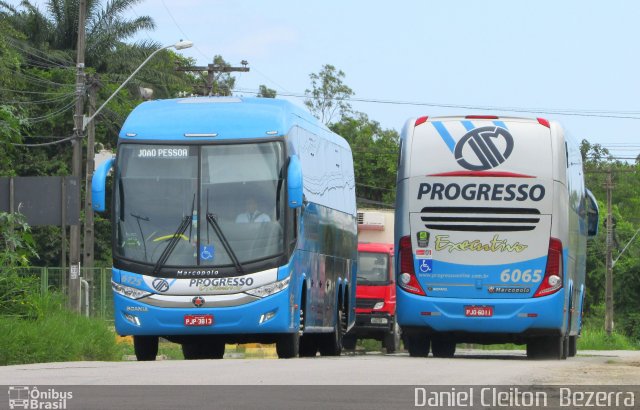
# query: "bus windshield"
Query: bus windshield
{"points": [[216, 205], [373, 268]]}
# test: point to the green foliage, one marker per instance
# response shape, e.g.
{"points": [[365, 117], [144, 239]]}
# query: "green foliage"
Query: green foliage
{"points": [[375, 156], [595, 338], [19, 296], [55, 335], [328, 96], [266, 92], [626, 216], [16, 246]]}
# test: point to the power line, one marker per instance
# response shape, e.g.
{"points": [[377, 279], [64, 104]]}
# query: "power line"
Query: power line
{"points": [[42, 144], [180, 28], [568, 112], [39, 102]]}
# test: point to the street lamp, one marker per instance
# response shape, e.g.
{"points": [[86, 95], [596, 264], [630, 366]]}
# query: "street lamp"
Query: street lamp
{"points": [[88, 234], [180, 45]]}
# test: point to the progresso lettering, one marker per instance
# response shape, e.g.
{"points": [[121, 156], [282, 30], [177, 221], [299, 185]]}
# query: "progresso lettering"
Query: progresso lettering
{"points": [[482, 192], [221, 282]]}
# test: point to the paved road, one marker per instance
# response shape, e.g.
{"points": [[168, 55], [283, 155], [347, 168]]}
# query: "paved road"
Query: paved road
{"points": [[467, 368]]}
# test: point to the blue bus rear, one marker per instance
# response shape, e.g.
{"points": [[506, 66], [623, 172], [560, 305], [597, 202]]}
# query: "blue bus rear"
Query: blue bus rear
{"points": [[491, 229]]}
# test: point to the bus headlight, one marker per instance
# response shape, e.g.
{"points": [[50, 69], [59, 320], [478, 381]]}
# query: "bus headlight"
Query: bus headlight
{"points": [[270, 289], [126, 291], [378, 305]]}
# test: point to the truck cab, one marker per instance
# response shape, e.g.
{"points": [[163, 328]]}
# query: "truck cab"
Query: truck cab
{"points": [[375, 286]]}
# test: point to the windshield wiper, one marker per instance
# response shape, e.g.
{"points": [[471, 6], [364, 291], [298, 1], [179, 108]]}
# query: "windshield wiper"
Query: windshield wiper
{"points": [[186, 222], [144, 241], [211, 219]]}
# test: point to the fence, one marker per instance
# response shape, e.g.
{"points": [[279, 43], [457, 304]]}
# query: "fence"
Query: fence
{"points": [[97, 298]]}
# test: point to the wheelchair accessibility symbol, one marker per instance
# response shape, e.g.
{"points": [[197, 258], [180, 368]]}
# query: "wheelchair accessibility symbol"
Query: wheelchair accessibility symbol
{"points": [[426, 265], [206, 252]]}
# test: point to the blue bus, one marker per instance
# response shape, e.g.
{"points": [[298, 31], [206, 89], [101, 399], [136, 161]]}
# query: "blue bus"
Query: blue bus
{"points": [[234, 221], [492, 221]]}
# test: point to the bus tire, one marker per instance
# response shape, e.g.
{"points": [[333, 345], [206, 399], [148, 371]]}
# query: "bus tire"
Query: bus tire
{"points": [[287, 345], [443, 348], [201, 350], [309, 345], [573, 346], [145, 347], [349, 341], [331, 344], [418, 345], [549, 347], [392, 339]]}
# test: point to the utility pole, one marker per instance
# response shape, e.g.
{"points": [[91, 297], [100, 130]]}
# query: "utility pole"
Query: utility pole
{"points": [[213, 68], [608, 290], [76, 167], [89, 233]]}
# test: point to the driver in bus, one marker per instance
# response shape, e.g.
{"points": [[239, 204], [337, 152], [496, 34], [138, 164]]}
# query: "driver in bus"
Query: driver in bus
{"points": [[252, 214]]}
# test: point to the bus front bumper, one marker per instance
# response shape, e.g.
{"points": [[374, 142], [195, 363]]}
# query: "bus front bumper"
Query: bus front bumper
{"points": [[272, 314]]}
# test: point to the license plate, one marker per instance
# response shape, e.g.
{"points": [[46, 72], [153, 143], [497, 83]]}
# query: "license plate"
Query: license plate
{"points": [[478, 311], [198, 320]]}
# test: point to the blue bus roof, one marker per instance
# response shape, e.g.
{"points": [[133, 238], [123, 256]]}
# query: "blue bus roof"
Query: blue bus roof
{"points": [[217, 118]]}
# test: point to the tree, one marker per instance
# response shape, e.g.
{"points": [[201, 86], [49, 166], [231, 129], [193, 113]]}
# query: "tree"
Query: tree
{"points": [[375, 154], [328, 96], [266, 92], [57, 27], [37, 53]]}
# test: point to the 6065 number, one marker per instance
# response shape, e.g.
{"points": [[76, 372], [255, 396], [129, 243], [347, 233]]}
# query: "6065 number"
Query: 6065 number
{"points": [[516, 275]]}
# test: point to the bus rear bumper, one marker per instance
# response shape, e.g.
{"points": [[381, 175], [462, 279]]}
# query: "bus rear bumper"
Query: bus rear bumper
{"points": [[534, 316], [270, 315]]}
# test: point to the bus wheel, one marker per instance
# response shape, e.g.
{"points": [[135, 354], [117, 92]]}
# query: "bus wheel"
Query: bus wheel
{"points": [[203, 350], [443, 348], [573, 346], [417, 345], [549, 347], [392, 339], [146, 347], [349, 341], [287, 345], [309, 345], [331, 345]]}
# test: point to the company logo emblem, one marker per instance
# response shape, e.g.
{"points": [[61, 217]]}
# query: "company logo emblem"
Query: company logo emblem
{"points": [[423, 239], [484, 148], [160, 285], [198, 301]]}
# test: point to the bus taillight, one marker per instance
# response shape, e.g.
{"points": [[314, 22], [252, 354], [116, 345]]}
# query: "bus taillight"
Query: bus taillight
{"points": [[407, 278], [552, 280]]}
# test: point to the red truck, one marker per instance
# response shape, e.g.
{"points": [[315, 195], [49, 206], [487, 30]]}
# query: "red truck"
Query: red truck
{"points": [[375, 298]]}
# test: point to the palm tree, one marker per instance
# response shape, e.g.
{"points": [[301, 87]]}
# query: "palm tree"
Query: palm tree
{"points": [[56, 28]]}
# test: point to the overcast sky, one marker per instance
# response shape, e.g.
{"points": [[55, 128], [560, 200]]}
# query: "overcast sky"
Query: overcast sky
{"points": [[579, 56]]}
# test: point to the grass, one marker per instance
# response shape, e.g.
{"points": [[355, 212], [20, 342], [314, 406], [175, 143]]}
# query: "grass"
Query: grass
{"points": [[55, 336], [595, 338]]}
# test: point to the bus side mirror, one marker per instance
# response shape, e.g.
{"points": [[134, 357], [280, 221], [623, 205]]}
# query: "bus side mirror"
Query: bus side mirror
{"points": [[98, 183], [592, 215], [294, 182]]}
